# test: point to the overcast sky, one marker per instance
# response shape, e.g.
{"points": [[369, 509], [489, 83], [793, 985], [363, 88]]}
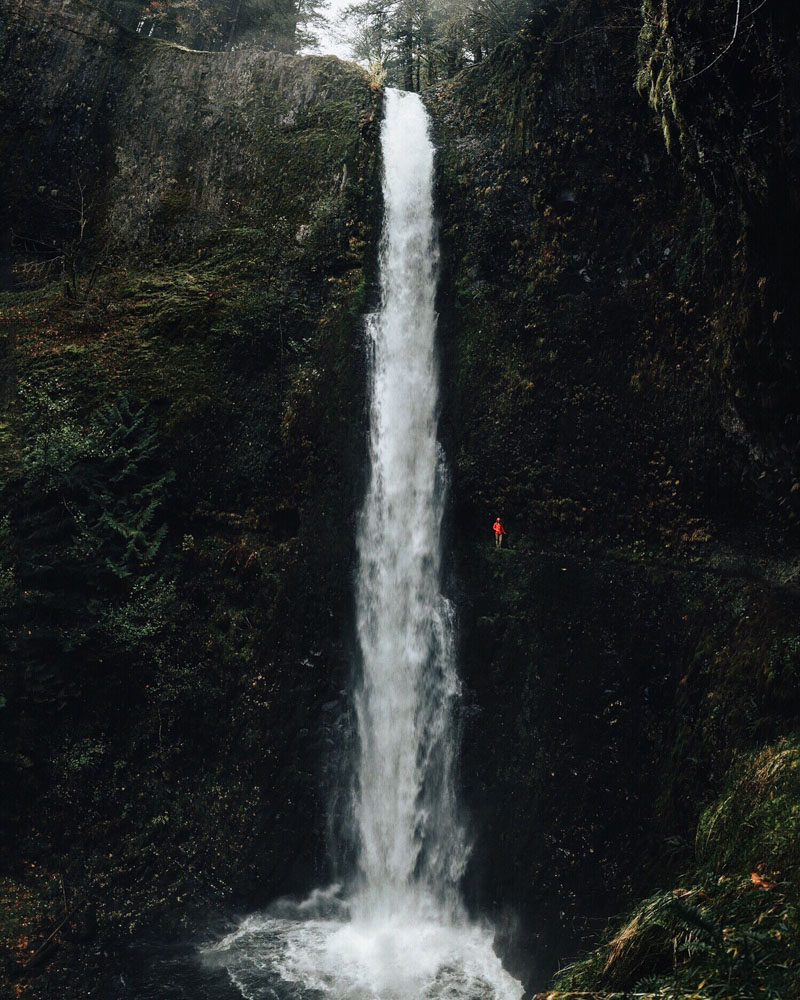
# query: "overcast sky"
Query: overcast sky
{"points": [[328, 42]]}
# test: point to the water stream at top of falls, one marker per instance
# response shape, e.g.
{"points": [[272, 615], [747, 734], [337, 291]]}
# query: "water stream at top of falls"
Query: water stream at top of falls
{"points": [[401, 933]]}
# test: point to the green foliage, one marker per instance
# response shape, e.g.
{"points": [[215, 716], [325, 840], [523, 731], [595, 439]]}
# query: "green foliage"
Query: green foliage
{"points": [[89, 530], [287, 25], [741, 956], [659, 67], [418, 42], [732, 932], [54, 441], [756, 821], [145, 615], [84, 756], [125, 492]]}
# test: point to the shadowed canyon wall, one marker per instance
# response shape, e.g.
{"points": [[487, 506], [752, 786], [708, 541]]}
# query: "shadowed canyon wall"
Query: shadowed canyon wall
{"points": [[183, 445], [619, 318]]}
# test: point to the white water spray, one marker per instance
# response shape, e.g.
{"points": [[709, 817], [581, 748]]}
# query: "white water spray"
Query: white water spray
{"points": [[402, 935], [412, 846]]}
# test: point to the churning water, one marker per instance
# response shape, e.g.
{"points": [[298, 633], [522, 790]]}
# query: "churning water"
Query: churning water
{"points": [[399, 932]]}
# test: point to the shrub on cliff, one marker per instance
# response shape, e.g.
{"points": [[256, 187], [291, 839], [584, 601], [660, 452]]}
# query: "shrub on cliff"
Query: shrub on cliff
{"points": [[731, 929]]}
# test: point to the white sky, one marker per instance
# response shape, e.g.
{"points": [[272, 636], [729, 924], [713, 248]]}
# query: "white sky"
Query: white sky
{"points": [[329, 44]]}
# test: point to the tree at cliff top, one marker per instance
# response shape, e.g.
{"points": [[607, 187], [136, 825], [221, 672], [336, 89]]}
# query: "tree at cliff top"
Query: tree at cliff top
{"points": [[286, 25], [417, 42]]}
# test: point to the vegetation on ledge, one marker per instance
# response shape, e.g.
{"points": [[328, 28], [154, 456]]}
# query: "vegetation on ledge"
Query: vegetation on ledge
{"points": [[731, 929]]}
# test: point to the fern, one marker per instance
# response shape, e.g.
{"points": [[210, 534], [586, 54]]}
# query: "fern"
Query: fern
{"points": [[89, 526], [129, 496]]}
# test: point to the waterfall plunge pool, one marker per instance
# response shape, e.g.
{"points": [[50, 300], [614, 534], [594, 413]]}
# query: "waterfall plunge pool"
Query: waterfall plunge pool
{"points": [[314, 951]]}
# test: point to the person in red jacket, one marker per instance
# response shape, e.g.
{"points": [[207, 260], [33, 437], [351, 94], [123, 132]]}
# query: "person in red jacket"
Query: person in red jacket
{"points": [[499, 531]]}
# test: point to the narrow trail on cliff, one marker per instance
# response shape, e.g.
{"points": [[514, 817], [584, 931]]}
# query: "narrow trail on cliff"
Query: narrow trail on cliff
{"points": [[399, 931]]}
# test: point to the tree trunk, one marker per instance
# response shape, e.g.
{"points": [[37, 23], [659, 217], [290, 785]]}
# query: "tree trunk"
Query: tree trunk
{"points": [[234, 24], [408, 56]]}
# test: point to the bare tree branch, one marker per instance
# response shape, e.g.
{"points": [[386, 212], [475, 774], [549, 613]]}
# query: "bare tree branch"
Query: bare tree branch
{"points": [[727, 48]]}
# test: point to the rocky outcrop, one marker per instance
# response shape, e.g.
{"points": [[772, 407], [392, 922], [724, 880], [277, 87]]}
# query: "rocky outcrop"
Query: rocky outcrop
{"points": [[637, 632], [193, 246], [171, 145]]}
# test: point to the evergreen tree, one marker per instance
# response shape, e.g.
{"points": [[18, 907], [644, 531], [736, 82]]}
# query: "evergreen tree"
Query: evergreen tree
{"points": [[287, 25], [417, 42], [123, 492]]}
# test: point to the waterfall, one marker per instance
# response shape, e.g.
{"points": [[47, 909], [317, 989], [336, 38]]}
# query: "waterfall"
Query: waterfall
{"points": [[411, 844], [401, 933]]}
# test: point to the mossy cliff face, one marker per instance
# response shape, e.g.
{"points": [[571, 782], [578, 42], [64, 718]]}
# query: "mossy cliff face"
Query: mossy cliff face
{"points": [[182, 448], [642, 626], [724, 84], [173, 144]]}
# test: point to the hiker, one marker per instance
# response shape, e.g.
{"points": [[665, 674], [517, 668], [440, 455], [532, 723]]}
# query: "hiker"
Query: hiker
{"points": [[499, 531]]}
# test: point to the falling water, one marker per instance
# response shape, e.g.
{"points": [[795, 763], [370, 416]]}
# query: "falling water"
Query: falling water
{"points": [[401, 933], [412, 846]]}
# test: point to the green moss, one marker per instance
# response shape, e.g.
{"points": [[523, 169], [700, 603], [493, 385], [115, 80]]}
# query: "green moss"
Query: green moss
{"points": [[659, 69], [235, 326], [755, 824], [175, 203], [732, 928]]}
